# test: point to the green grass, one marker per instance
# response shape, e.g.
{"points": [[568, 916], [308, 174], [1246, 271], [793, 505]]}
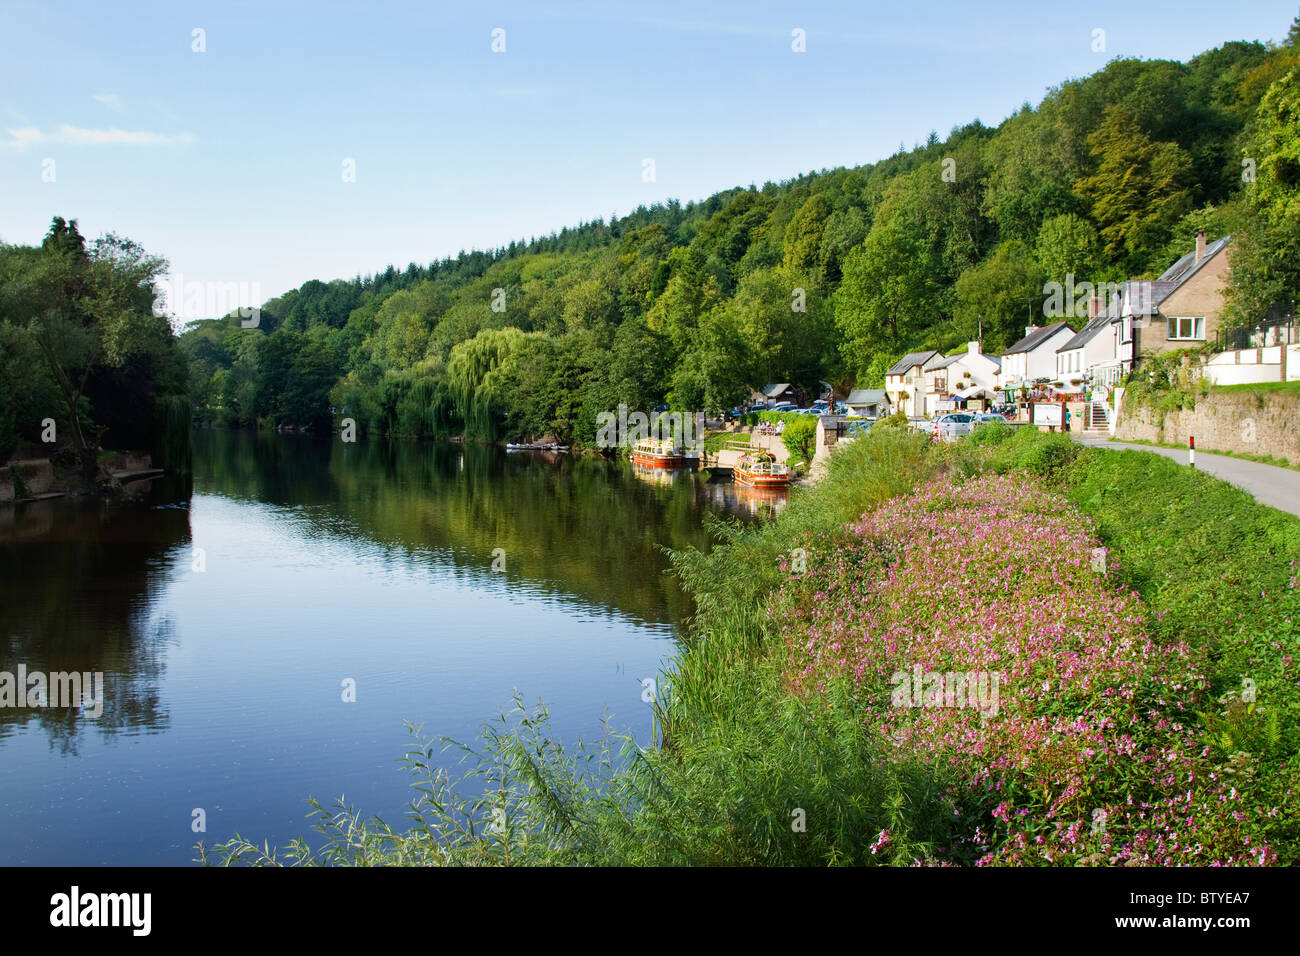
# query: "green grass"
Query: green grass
{"points": [[1286, 388], [1219, 571]]}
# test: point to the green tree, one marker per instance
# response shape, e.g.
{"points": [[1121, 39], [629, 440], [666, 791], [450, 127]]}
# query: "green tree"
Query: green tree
{"points": [[803, 237], [1068, 245], [1001, 291], [1139, 191], [889, 291], [1266, 253], [90, 310]]}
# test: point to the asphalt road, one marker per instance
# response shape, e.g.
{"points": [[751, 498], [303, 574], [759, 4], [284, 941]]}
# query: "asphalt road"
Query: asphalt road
{"points": [[1269, 484]]}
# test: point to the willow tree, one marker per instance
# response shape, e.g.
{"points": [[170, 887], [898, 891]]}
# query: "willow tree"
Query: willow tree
{"points": [[476, 374]]}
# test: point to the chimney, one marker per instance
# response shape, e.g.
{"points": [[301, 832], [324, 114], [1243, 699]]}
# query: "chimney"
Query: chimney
{"points": [[973, 348], [1030, 329], [1094, 306], [1200, 244]]}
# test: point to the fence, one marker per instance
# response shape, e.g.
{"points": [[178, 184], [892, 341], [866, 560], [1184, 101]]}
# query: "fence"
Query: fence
{"points": [[1275, 329]]}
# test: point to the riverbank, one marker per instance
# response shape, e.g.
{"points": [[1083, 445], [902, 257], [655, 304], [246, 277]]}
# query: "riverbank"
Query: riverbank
{"points": [[40, 479], [1138, 616]]}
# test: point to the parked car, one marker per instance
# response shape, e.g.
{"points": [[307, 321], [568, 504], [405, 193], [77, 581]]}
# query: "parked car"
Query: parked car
{"points": [[953, 426], [784, 407], [982, 417]]}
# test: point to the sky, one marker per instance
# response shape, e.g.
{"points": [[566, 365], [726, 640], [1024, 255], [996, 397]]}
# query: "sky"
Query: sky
{"points": [[265, 143]]}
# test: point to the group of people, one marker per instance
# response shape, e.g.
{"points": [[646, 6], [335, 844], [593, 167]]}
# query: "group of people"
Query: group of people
{"points": [[769, 428]]}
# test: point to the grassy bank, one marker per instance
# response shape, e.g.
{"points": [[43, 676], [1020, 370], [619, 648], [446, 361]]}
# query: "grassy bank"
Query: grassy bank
{"points": [[1123, 734]]}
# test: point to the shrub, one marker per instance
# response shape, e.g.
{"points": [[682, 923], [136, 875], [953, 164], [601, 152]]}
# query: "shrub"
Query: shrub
{"points": [[800, 437], [991, 433], [1049, 453], [896, 420]]}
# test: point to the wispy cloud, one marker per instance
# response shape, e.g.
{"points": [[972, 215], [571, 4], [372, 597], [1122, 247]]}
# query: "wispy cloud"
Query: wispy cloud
{"points": [[21, 138], [110, 100], [69, 135]]}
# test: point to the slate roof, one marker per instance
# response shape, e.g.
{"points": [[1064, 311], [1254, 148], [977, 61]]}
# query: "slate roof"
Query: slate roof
{"points": [[1087, 333], [943, 361], [1037, 338], [1187, 266], [867, 396], [910, 360]]}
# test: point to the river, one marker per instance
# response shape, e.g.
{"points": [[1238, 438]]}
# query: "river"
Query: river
{"points": [[232, 619]]}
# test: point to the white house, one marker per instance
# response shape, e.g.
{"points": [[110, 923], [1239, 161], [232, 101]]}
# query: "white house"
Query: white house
{"points": [[905, 382], [1093, 345], [953, 379], [1033, 357]]}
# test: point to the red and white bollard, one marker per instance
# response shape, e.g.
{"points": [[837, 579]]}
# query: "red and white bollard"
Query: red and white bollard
{"points": [[1191, 450]]}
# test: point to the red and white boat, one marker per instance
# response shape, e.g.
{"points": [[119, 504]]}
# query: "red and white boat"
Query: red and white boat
{"points": [[761, 470], [657, 453]]}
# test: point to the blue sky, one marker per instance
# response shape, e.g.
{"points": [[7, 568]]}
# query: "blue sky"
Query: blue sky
{"points": [[229, 162]]}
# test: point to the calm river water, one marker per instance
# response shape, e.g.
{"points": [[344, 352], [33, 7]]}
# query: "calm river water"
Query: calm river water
{"points": [[225, 620]]}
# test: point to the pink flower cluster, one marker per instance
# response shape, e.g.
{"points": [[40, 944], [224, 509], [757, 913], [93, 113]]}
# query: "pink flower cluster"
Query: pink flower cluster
{"points": [[1084, 759]]}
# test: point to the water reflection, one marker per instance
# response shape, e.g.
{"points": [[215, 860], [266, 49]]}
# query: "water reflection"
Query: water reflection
{"points": [[77, 582], [83, 585]]}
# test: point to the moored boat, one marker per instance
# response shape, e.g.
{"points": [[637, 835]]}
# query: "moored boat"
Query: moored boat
{"points": [[657, 453], [761, 470]]}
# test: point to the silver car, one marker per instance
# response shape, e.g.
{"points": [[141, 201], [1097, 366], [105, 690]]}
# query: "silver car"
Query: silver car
{"points": [[954, 426]]}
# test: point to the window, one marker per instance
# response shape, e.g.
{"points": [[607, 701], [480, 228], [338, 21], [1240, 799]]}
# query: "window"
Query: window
{"points": [[1191, 327]]}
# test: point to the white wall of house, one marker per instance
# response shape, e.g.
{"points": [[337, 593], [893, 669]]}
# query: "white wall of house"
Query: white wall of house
{"points": [[941, 382], [1013, 369], [983, 368], [1040, 362], [907, 392]]}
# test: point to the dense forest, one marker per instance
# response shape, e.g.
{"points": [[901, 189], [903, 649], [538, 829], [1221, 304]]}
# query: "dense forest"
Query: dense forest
{"points": [[827, 276], [86, 364]]}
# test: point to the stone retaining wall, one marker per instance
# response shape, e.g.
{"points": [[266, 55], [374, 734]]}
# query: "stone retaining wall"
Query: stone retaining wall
{"points": [[37, 477], [1266, 423]]}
